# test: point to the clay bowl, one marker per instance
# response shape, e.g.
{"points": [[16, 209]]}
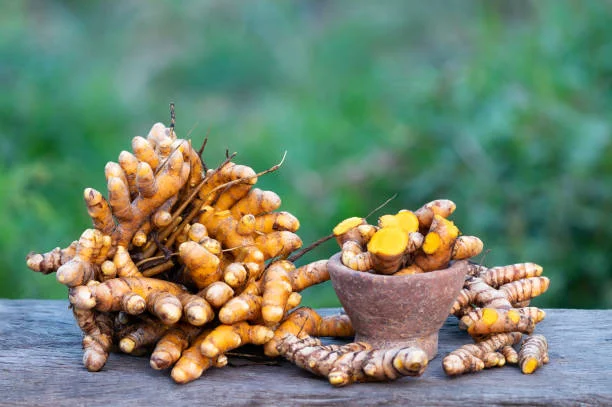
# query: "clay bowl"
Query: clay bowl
{"points": [[397, 311]]}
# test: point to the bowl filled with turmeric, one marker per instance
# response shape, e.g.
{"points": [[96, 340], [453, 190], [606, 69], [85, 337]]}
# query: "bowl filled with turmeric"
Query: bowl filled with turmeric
{"points": [[397, 311], [397, 280]]}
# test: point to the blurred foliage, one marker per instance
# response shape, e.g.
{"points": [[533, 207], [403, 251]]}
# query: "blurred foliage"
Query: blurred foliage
{"points": [[500, 106]]}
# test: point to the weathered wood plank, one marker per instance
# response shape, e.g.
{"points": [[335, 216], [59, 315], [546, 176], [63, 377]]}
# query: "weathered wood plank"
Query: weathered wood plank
{"points": [[40, 364]]}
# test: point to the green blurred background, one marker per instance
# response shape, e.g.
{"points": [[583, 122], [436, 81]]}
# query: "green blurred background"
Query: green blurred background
{"points": [[502, 106]]}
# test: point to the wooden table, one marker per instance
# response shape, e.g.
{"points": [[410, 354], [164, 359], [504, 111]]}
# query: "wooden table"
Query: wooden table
{"points": [[40, 364]]}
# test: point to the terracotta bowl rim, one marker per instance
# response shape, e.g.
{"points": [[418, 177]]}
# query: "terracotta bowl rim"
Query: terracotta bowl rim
{"points": [[336, 262]]}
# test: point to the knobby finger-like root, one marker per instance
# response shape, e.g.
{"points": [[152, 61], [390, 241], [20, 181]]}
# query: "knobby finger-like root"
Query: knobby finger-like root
{"points": [[533, 353], [440, 207], [171, 345], [475, 357], [91, 251], [141, 335], [486, 321], [192, 364], [309, 275], [303, 322], [353, 362], [227, 337], [276, 291], [498, 276], [388, 246], [97, 328], [438, 244], [477, 292], [354, 257], [49, 262]]}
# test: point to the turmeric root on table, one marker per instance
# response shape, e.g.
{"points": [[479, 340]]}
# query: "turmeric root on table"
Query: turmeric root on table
{"points": [[353, 362]]}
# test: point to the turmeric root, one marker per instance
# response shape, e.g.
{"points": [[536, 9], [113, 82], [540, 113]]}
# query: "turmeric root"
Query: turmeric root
{"points": [[280, 243], [91, 251], [354, 257], [387, 247], [98, 338], [533, 353], [475, 357], [99, 211], [47, 263], [498, 276], [143, 334], [486, 321], [115, 294], [217, 294], [524, 289], [256, 202], [309, 275], [305, 321], [477, 292], [354, 362], [276, 290], [271, 222], [203, 266], [438, 244], [440, 207], [192, 364], [466, 247], [510, 354], [171, 345], [227, 337], [348, 230]]}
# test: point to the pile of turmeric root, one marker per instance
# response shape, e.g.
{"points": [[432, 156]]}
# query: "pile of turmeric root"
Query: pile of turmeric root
{"points": [[493, 305], [183, 262], [186, 263]]}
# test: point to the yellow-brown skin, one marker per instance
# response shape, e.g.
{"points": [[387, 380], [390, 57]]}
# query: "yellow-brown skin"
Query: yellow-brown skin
{"points": [[466, 247], [91, 251], [217, 294], [440, 207], [409, 270], [192, 364], [110, 295], [141, 335], [354, 257], [124, 265], [305, 321], [280, 243], [203, 266], [99, 211], [256, 202], [437, 246], [152, 193], [226, 173], [276, 291], [49, 262], [498, 276], [477, 292], [276, 221], [172, 344], [525, 289], [348, 230], [224, 338], [245, 307], [533, 353], [484, 321], [309, 275], [510, 354], [475, 357], [97, 328], [354, 362]]}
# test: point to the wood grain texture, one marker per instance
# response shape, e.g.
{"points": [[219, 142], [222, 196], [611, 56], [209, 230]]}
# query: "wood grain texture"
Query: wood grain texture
{"points": [[40, 364]]}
